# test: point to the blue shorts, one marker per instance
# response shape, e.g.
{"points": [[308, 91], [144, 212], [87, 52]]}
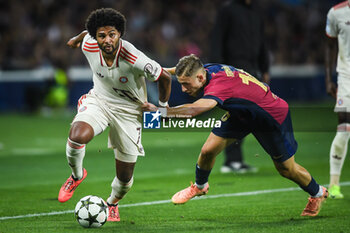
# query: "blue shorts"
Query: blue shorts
{"points": [[276, 139]]}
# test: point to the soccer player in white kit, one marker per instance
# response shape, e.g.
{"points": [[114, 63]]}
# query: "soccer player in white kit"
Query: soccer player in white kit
{"points": [[338, 33], [119, 72]]}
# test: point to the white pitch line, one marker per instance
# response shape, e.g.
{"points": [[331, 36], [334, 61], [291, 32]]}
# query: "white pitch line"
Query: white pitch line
{"points": [[37, 215], [258, 192]]}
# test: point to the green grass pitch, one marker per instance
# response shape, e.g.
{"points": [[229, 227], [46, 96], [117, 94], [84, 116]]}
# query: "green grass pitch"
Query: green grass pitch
{"points": [[33, 167]]}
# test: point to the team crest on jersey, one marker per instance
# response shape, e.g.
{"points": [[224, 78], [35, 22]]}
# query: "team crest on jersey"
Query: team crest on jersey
{"points": [[100, 75], [123, 79], [340, 101]]}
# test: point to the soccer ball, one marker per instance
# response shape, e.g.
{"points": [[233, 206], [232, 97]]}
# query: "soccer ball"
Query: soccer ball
{"points": [[91, 211]]}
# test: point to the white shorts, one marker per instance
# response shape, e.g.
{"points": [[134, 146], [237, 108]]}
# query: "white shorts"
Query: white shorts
{"points": [[125, 128], [343, 95]]}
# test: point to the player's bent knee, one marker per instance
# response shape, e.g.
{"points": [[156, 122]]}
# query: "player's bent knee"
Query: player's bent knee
{"points": [[81, 133], [207, 152]]}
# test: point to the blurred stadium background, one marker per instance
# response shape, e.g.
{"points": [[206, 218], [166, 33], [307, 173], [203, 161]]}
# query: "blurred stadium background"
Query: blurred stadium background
{"points": [[34, 35]]}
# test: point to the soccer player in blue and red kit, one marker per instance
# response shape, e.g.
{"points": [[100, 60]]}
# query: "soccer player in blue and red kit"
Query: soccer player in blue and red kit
{"points": [[251, 108]]}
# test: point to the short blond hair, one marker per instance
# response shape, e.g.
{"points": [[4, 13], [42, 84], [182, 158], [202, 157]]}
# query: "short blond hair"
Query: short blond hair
{"points": [[188, 65]]}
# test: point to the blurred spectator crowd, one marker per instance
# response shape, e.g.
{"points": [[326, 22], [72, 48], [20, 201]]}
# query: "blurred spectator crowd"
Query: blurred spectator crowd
{"points": [[34, 33]]}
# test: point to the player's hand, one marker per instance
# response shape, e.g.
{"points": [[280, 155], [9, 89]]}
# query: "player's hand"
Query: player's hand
{"points": [[74, 43], [266, 78], [331, 89], [149, 107]]}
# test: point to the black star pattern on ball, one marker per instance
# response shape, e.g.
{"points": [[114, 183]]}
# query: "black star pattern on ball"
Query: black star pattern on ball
{"points": [[92, 219], [102, 206], [86, 203]]}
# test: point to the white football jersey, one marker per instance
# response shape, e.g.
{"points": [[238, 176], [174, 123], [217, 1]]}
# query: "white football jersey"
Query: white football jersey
{"points": [[338, 25], [121, 86]]}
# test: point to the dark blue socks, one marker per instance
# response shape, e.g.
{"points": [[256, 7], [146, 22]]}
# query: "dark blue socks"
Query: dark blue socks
{"points": [[312, 187], [201, 175]]}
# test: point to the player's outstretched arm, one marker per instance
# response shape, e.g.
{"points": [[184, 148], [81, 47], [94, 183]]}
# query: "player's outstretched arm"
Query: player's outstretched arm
{"points": [[164, 88], [194, 109], [75, 41], [186, 110]]}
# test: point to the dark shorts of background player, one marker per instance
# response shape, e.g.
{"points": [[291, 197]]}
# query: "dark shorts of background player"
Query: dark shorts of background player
{"points": [[277, 140]]}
